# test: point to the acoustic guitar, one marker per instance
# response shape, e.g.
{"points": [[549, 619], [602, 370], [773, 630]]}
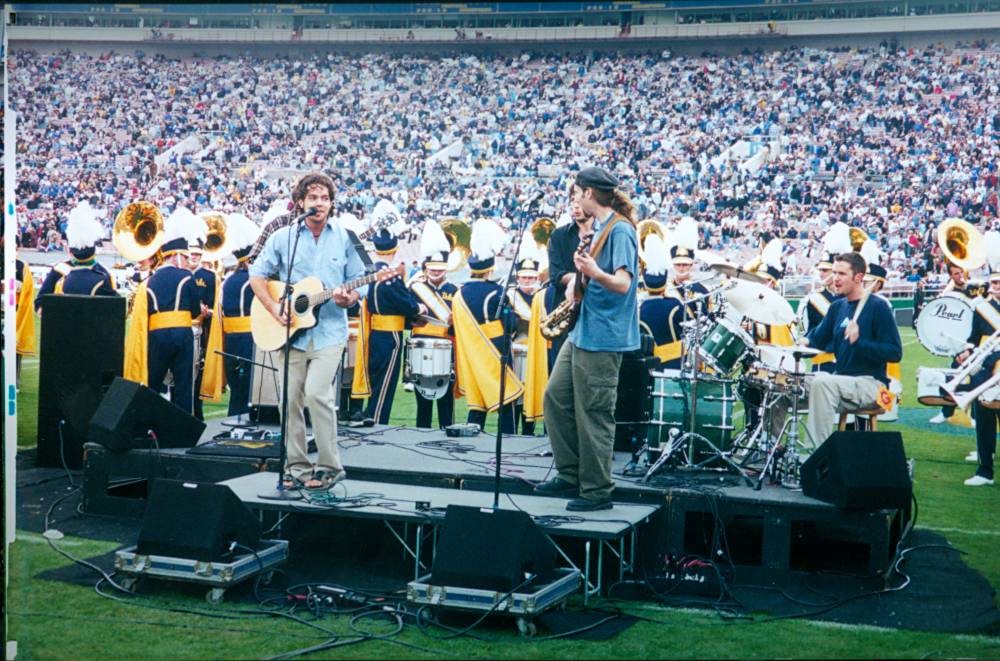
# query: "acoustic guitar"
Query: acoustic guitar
{"points": [[307, 295]]}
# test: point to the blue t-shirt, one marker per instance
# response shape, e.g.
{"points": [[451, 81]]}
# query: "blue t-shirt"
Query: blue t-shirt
{"points": [[610, 321]]}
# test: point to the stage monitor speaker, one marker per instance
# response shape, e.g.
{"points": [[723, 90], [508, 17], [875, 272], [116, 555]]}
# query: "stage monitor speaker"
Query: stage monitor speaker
{"points": [[490, 549], [196, 521], [130, 410], [82, 350], [859, 470]]}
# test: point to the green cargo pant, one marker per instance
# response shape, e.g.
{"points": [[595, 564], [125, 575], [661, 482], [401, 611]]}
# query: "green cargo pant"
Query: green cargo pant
{"points": [[580, 417]]}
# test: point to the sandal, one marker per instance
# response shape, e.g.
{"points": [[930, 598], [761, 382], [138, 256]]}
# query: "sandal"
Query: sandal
{"points": [[323, 480], [292, 483]]}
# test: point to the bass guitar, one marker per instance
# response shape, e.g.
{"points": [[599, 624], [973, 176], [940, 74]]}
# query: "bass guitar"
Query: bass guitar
{"points": [[306, 295]]}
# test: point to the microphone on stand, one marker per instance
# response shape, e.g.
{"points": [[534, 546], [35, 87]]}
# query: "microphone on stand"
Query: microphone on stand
{"points": [[308, 212]]}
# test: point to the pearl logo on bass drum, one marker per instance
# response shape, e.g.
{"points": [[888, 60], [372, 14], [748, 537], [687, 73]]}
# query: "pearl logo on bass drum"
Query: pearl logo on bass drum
{"points": [[944, 324]]}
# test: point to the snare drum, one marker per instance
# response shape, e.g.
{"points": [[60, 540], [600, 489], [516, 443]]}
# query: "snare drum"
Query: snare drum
{"points": [[929, 382], [671, 410], [726, 345], [944, 324], [429, 366]]}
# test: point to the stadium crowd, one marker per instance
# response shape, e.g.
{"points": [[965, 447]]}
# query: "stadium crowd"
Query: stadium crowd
{"points": [[890, 140]]}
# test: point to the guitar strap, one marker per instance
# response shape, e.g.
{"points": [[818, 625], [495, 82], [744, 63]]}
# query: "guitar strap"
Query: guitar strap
{"points": [[595, 250], [360, 249]]}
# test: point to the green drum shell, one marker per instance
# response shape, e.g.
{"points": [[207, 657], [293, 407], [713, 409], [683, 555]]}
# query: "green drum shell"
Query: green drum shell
{"points": [[671, 409], [723, 348]]}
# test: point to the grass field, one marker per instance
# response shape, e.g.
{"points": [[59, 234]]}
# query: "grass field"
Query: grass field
{"points": [[58, 620]]}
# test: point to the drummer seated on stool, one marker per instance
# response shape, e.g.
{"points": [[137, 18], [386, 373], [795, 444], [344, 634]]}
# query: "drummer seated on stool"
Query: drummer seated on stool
{"points": [[862, 348]]}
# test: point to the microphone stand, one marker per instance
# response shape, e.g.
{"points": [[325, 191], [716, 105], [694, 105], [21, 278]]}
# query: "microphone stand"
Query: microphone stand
{"points": [[280, 492], [505, 357]]}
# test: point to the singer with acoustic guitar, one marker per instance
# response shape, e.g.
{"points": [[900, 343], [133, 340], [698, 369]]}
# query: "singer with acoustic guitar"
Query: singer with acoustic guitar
{"points": [[579, 404], [325, 252]]}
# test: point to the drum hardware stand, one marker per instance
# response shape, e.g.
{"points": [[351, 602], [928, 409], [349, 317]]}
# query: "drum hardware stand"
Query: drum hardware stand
{"points": [[244, 362]]}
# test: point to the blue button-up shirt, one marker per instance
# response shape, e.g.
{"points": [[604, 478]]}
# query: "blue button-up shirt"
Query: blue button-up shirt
{"points": [[331, 258], [610, 321]]}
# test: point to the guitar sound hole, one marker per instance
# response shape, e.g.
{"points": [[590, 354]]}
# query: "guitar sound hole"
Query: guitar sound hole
{"points": [[301, 304]]}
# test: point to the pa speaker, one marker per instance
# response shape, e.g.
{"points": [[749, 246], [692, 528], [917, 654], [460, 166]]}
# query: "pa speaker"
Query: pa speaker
{"points": [[82, 350], [490, 549], [130, 410], [196, 521], [859, 470]]}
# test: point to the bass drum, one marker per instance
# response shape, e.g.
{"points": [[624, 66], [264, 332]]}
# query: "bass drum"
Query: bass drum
{"points": [[944, 324], [671, 412]]}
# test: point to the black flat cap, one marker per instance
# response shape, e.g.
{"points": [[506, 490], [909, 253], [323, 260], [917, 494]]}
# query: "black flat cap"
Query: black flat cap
{"points": [[596, 178]]}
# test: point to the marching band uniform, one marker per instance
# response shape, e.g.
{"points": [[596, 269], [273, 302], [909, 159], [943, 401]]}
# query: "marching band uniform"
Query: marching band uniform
{"points": [[836, 241], [479, 334], [351, 410], [685, 238], [438, 300], [384, 311], [161, 337], [875, 280], [522, 304], [970, 292], [660, 316], [206, 284], [25, 313], [82, 274], [232, 334]]}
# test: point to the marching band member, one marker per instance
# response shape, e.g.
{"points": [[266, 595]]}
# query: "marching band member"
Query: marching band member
{"points": [[24, 314], [660, 316], [958, 285], [522, 300], [165, 308], [206, 284], [384, 311], [479, 333], [435, 294], [232, 335], [985, 322], [351, 413], [83, 233], [682, 253], [837, 240], [863, 346]]}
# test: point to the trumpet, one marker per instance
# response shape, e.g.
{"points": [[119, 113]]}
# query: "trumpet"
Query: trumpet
{"points": [[973, 364]]}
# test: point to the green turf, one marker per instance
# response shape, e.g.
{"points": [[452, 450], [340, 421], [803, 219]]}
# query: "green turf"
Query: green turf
{"points": [[57, 620]]}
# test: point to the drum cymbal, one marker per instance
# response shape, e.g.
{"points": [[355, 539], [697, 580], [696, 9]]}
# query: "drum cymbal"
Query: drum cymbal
{"points": [[733, 271], [760, 303], [796, 350]]}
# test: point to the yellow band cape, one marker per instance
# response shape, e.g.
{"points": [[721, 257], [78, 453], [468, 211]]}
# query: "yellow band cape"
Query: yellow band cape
{"points": [[25, 315], [213, 376], [477, 362], [137, 339], [536, 376]]}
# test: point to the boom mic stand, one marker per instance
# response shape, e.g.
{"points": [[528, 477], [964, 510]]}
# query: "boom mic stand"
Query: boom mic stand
{"points": [[505, 353], [286, 303]]}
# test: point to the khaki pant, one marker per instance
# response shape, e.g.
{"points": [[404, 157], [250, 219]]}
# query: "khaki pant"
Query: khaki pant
{"points": [[832, 394], [310, 383], [580, 417]]}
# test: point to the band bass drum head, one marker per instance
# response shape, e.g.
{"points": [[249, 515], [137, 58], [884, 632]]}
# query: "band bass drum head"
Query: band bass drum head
{"points": [[944, 325]]}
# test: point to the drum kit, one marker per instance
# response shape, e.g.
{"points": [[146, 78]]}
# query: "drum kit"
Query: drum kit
{"points": [[691, 418]]}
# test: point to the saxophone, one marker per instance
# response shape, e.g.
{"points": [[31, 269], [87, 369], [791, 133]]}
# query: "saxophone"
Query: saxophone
{"points": [[562, 319]]}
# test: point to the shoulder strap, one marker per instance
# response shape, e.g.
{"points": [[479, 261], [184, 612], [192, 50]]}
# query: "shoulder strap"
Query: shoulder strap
{"points": [[597, 247], [360, 249]]}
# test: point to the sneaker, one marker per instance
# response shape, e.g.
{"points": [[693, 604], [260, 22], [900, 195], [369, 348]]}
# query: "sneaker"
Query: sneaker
{"points": [[938, 419], [554, 487], [972, 457], [589, 505], [978, 481], [408, 387], [367, 422], [357, 419]]}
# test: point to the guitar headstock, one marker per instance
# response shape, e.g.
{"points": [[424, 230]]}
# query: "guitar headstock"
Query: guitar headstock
{"points": [[388, 274]]}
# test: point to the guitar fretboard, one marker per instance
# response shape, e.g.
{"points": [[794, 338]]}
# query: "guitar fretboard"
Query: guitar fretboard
{"points": [[327, 294]]}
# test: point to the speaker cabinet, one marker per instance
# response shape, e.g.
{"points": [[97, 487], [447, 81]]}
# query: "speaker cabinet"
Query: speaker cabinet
{"points": [[490, 549], [196, 521], [130, 410], [859, 471], [82, 351]]}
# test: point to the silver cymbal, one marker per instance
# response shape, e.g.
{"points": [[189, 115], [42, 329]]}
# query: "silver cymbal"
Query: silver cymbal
{"points": [[738, 273], [760, 303]]}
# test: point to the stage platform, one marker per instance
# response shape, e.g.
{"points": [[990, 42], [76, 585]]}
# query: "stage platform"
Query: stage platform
{"points": [[771, 531]]}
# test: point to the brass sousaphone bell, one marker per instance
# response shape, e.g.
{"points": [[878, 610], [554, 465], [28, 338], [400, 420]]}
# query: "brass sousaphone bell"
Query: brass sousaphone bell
{"points": [[215, 236], [459, 235], [643, 230], [138, 231], [961, 244]]}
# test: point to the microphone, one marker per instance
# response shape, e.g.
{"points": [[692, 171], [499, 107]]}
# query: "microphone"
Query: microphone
{"points": [[305, 215], [535, 197]]}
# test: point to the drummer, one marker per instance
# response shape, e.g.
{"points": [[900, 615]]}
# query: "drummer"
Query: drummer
{"points": [[837, 240], [958, 285], [434, 294], [660, 316], [521, 299], [682, 254]]}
